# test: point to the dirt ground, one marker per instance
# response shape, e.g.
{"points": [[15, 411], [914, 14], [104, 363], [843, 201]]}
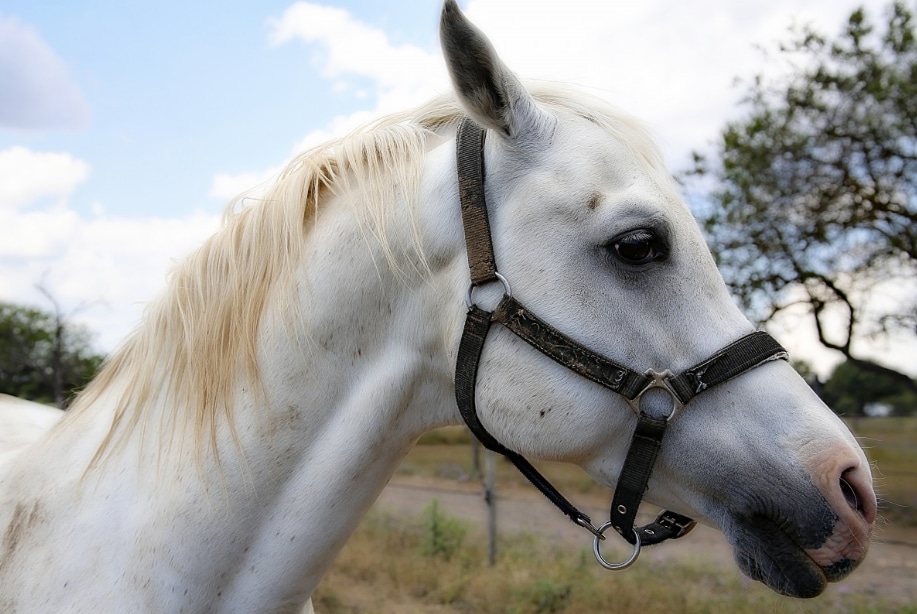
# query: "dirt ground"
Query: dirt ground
{"points": [[890, 569]]}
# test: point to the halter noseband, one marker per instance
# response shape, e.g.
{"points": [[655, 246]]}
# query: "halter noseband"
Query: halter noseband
{"points": [[744, 354]]}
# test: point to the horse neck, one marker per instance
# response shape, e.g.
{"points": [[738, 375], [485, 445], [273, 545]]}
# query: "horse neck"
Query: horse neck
{"points": [[362, 369], [354, 365], [377, 319]]}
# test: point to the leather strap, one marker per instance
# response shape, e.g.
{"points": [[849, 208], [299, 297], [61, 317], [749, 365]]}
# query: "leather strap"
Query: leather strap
{"points": [[747, 353], [740, 356], [477, 324], [483, 269], [635, 473], [632, 483], [554, 344], [470, 163]]}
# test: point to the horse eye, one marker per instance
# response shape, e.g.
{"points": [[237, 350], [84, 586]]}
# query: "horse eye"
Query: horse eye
{"points": [[638, 247]]}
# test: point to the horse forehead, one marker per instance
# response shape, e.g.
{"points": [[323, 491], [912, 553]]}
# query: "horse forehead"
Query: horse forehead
{"points": [[593, 163]]}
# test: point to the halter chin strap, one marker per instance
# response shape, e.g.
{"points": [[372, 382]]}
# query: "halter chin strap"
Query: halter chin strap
{"points": [[745, 354]]}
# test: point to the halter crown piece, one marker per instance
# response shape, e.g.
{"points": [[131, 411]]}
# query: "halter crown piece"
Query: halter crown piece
{"points": [[744, 354]]}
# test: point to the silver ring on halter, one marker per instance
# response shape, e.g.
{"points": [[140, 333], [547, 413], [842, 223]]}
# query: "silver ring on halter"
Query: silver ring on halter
{"points": [[469, 300], [614, 566], [660, 381]]}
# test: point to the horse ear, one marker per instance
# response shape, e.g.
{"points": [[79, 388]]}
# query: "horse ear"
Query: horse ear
{"points": [[490, 93]]}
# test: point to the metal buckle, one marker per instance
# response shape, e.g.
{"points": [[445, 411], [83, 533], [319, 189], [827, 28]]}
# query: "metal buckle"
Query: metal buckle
{"points": [[670, 522], [661, 381], [583, 522]]}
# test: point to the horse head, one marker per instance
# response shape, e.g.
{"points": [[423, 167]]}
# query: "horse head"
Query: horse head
{"points": [[590, 234]]}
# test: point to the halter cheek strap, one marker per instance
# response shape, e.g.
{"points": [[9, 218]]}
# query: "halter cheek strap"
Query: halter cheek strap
{"points": [[746, 353]]}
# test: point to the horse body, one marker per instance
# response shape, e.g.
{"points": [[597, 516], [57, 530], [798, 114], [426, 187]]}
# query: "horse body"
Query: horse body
{"points": [[24, 422], [227, 451]]}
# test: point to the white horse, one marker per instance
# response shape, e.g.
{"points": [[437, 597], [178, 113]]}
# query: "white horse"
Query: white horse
{"points": [[228, 449]]}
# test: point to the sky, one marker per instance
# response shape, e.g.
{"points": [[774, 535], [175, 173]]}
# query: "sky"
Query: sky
{"points": [[126, 127]]}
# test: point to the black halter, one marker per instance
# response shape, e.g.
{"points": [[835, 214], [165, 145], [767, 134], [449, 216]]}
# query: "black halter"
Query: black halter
{"points": [[744, 354]]}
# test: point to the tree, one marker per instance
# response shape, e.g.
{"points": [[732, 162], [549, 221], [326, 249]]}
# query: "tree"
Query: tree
{"points": [[851, 388], [42, 357], [811, 197]]}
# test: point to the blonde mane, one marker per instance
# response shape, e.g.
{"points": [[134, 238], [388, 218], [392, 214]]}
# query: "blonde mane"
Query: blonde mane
{"points": [[198, 338]]}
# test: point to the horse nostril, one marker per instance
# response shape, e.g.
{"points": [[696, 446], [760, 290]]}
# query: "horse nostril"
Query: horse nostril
{"points": [[856, 486], [850, 496]]}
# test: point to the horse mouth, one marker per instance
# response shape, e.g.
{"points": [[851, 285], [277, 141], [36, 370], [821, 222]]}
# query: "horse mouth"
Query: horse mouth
{"points": [[766, 552]]}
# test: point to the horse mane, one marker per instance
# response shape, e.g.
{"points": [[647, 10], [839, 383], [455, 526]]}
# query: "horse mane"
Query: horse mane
{"points": [[197, 339]]}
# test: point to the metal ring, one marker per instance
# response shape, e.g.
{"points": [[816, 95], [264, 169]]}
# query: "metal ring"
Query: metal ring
{"points": [[658, 381], [507, 291], [615, 566]]}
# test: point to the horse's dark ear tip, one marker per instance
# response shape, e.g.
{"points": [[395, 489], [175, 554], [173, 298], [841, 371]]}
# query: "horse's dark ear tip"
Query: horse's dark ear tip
{"points": [[450, 18]]}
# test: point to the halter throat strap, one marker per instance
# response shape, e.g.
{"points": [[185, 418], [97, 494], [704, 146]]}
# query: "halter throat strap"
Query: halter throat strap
{"points": [[746, 353]]}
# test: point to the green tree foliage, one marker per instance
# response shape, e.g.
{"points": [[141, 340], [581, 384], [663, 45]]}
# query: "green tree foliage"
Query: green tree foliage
{"points": [[851, 388], [43, 358], [811, 197]]}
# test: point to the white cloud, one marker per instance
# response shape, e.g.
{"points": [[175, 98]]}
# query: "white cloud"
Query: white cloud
{"points": [[27, 176], [122, 264], [114, 263], [401, 75], [354, 48], [37, 90], [339, 126], [672, 64]]}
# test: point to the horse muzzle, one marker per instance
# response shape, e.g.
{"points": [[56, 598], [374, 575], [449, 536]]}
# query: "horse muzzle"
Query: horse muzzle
{"points": [[823, 540]]}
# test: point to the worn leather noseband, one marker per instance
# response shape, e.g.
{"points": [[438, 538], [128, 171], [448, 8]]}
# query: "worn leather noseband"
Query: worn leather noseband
{"points": [[744, 354]]}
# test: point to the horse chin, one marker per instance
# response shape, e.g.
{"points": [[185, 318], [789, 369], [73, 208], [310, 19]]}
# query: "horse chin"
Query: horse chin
{"points": [[767, 553]]}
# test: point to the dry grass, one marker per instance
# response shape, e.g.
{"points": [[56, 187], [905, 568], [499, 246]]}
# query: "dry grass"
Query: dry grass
{"points": [[444, 453], [891, 445], [383, 569]]}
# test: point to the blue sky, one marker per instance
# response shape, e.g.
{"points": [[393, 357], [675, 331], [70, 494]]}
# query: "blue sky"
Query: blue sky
{"points": [[174, 92], [126, 127]]}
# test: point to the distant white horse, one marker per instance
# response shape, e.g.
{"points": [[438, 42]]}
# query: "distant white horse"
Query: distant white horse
{"points": [[226, 452]]}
